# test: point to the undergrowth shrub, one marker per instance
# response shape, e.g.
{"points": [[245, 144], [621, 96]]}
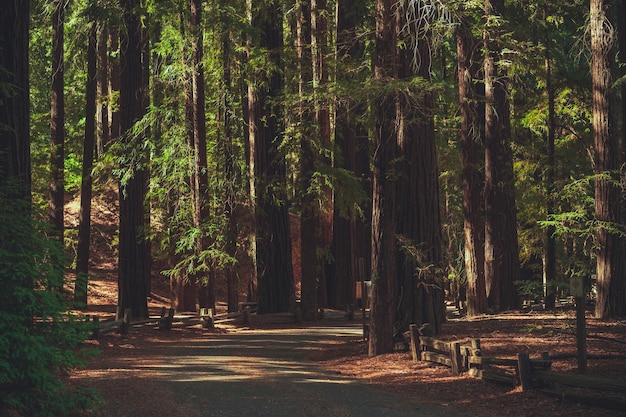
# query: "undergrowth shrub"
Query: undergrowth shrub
{"points": [[39, 337]]}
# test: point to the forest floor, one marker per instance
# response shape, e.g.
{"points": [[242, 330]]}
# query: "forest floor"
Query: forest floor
{"points": [[502, 336]]}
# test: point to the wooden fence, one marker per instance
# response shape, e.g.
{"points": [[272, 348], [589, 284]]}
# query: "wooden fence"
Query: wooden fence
{"points": [[535, 374], [167, 320]]}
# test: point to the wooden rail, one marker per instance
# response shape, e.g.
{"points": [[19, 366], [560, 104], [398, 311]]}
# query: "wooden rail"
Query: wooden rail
{"points": [[167, 320], [466, 356]]}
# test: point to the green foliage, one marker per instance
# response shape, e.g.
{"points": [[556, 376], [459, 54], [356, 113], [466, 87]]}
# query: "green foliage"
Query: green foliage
{"points": [[576, 220], [39, 338], [533, 289]]}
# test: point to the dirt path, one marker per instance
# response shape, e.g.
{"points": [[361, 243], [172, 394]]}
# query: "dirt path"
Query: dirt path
{"points": [[243, 373]]}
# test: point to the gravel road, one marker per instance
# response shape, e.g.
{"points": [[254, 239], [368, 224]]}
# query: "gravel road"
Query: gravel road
{"points": [[249, 373]]}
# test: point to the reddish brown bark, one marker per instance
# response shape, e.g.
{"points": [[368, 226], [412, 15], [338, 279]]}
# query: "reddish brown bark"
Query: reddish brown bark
{"points": [[473, 224], [267, 166], [383, 196], [320, 52], [133, 254], [419, 289], [351, 230], [84, 218], [200, 174], [501, 244], [611, 286]]}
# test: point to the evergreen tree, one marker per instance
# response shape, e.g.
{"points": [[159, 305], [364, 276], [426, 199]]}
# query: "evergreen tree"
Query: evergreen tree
{"points": [[501, 244], [133, 255], [609, 253], [419, 286], [473, 222], [384, 187], [57, 121], [267, 162], [352, 217], [84, 220]]}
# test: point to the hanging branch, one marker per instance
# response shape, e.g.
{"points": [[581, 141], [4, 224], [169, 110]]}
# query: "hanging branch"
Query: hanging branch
{"points": [[425, 19]]}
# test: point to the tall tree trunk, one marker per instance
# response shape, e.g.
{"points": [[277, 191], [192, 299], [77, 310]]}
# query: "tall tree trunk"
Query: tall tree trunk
{"points": [[15, 164], [246, 102], [84, 217], [621, 33], [271, 210], [473, 224], [549, 278], [351, 231], [133, 274], [57, 122], [609, 255], [501, 245], [103, 130], [319, 53], [621, 26], [419, 290], [383, 196], [310, 232], [201, 178], [230, 165], [184, 286]]}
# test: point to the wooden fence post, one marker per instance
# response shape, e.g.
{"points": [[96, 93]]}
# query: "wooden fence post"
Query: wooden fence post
{"points": [[474, 351], [415, 343], [165, 322], [455, 358], [525, 371], [207, 317], [247, 316]]}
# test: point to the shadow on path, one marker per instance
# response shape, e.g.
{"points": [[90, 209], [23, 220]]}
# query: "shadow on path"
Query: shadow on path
{"points": [[247, 373]]}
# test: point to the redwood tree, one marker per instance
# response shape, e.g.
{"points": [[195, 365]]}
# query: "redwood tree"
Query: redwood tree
{"points": [[383, 196], [501, 244], [267, 163], [419, 286], [324, 201], [351, 228], [84, 217], [15, 164], [549, 274], [57, 121], [310, 232], [473, 223], [184, 284], [230, 163], [611, 287], [200, 173], [133, 253]]}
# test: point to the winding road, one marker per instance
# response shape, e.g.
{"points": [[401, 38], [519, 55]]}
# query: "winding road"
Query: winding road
{"points": [[246, 373]]}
